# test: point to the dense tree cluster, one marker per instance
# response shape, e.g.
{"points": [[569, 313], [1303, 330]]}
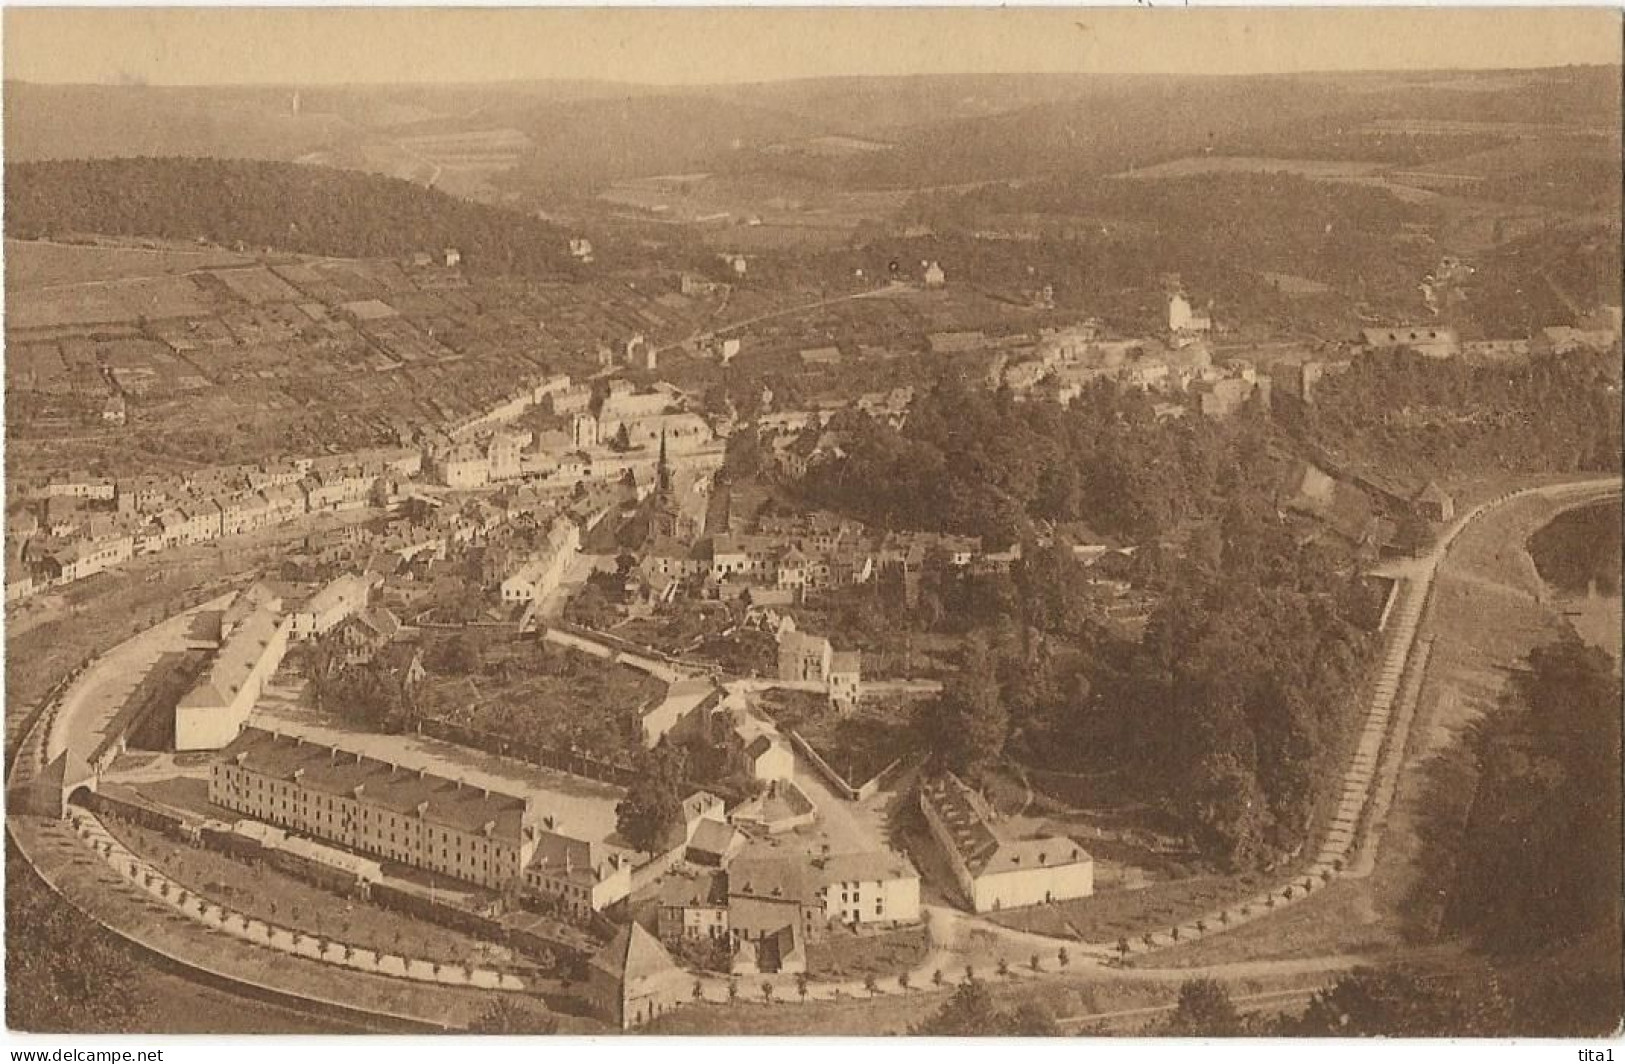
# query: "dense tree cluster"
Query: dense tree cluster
{"points": [[63, 972], [1466, 998], [461, 655], [1395, 1003], [1127, 233], [977, 462], [650, 817], [972, 1013], [1229, 709], [1540, 859], [969, 724], [1404, 412], [1099, 127], [286, 206], [570, 704], [365, 695], [1378, 1002], [1580, 546], [1204, 1011], [1227, 713], [1233, 705]]}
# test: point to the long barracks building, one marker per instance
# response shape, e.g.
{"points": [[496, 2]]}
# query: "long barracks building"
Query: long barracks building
{"points": [[412, 816]]}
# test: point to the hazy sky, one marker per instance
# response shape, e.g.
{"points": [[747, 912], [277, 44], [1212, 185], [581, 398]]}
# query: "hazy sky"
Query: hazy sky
{"points": [[191, 46]]}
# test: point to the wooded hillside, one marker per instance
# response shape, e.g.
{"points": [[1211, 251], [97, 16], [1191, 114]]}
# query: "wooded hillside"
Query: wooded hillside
{"points": [[285, 206]]}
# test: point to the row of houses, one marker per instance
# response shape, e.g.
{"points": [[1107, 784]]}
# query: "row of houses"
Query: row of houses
{"points": [[540, 574], [537, 392], [808, 658], [767, 909], [74, 535], [152, 514], [787, 559], [1598, 332], [583, 456], [1062, 362]]}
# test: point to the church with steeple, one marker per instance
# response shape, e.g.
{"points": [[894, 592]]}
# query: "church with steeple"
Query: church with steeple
{"points": [[666, 514]]}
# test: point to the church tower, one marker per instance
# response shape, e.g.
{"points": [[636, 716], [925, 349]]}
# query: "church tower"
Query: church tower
{"points": [[663, 470]]}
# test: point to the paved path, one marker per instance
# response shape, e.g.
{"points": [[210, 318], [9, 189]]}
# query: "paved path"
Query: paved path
{"points": [[1379, 749], [96, 697], [800, 308], [1265, 1001]]}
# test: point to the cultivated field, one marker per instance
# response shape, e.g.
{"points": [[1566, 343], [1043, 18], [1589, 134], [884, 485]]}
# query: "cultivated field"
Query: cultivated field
{"points": [[97, 302], [778, 216], [1293, 285], [32, 264], [1321, 169]]}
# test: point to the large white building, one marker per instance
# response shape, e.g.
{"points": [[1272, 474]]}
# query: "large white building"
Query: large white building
{"points": [[584, 877], [539, 577], [803, 657], [994, 871], [463, 467], [254, 638], [87, 557], [683, 432], [1182, 318], [390, 811], [867, 888], [343, 597]]}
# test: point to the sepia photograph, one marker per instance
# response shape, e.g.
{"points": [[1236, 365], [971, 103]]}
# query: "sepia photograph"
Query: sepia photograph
{"points": [[1086, 522]]}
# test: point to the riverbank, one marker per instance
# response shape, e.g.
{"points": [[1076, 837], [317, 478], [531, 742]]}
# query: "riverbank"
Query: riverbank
{"points": [[1577, 555]]}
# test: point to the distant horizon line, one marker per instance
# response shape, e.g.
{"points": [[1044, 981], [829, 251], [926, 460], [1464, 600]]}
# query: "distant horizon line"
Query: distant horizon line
{"points": [[700, 85]]}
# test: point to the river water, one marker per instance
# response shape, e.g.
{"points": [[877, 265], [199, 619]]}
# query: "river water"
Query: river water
{"points": [[1578, 555]]}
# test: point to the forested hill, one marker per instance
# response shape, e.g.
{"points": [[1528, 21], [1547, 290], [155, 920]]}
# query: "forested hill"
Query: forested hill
{"points": [[307, 209]]}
